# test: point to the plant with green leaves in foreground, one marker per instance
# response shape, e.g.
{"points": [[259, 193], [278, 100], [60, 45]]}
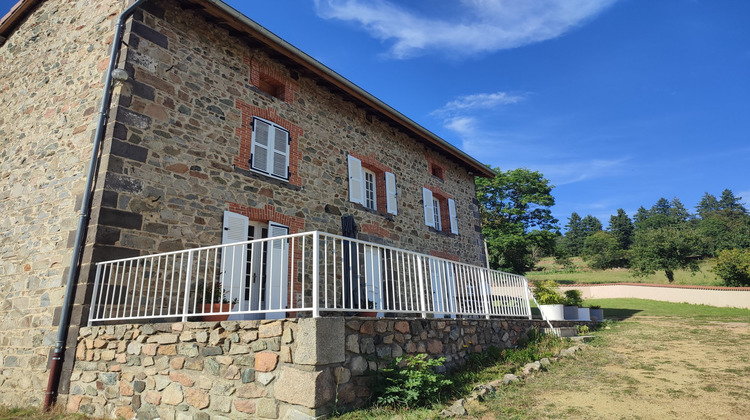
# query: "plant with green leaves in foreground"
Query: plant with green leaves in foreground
{"points": [[546, 293], [411, 383], [573, 297]]}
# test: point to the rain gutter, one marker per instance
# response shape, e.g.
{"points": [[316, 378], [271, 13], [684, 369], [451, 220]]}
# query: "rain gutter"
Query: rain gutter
{"points": [[56, 362]]}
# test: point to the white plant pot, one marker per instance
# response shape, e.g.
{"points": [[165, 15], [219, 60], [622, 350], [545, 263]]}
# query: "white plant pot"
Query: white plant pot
{"points": [[584, 314], [597, 314], [553, 312], [571, 312]]}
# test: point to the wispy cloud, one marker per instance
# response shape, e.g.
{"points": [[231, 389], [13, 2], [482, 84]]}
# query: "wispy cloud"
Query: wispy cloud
{"points": [[472, 26], [478, 101]]}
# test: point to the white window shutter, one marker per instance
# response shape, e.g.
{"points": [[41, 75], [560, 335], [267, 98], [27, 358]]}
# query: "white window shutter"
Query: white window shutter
{"points": [[233, 258], [452, 212], [356, 184], [429, 209], [390, 192], [261, 146], [280, 161]]}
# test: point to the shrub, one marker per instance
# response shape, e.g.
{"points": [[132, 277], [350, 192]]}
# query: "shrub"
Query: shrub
{"points": [[733, 266], [573, 298], [411, 383], [546, 293]]}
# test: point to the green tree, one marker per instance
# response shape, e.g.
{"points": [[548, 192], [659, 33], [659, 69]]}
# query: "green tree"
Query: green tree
{"points": [[590, 225], [724, 223], [516, 216], [601, 251], [707, 206], [665, 248], [621, 228], [574, 235], [730, 204], [733, 266]]}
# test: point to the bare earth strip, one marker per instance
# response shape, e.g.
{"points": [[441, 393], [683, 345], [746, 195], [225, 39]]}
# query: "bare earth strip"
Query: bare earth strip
{"points": [[646, 368]]}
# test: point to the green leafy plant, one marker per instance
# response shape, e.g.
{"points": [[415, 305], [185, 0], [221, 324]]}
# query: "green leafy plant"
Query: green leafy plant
{"points": [[409, 381], [733, 266], [546, 293], [573, 298], [582, 329], [595, 307]]}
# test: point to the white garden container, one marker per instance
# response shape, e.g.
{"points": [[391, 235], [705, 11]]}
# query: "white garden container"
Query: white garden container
{"points": [[553, 312]]}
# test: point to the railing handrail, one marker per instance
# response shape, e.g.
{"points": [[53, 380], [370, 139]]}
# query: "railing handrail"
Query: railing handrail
{"points": [[389, 279]]}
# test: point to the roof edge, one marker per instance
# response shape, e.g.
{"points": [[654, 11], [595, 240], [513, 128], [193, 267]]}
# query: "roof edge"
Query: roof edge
{"points": [[16, 13]]}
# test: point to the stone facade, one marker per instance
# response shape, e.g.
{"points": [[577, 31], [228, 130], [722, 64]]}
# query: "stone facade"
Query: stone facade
{"points": [[265, 369], [51, 71], [175, 157]]}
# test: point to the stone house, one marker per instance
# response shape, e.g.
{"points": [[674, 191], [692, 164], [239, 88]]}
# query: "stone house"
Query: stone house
{"points": [[211, 124]]}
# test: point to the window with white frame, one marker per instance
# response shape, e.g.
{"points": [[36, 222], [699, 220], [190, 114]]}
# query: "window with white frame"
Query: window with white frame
{"points": [[370, 192], [270, 149], [365, 183], [436, 212], [433, 205]]}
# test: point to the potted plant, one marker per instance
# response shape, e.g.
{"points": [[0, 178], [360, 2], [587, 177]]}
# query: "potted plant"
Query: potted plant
{"points": [[214, 299], [597, 313], [573, 301], [369, 310], [550, 300]]}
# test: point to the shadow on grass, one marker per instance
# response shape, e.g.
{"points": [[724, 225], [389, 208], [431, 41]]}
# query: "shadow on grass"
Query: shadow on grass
{"points": [[619, 313]]}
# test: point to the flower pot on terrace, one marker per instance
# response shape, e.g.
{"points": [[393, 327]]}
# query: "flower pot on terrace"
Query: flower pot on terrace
{"points": [[584, 314], [553, 312], [208, 308], [570, 312], [597, 314]]}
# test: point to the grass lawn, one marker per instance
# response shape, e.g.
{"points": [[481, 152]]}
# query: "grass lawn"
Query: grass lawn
{"points": [[582, 274]]}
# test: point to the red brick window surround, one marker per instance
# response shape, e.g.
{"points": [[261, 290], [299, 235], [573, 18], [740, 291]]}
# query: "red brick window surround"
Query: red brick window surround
{"points": [[245, 133], [371, 164], [271, 81], [437, 170], [442, 197]]}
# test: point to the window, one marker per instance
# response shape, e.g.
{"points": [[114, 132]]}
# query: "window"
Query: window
{"points": [[370, 199], [270, 149], [366, 184], [434, 206], [436, 211]]}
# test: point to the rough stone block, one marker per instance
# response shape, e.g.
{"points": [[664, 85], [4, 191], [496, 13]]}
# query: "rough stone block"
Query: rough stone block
{"points": [[308, 389], [320, 341]]}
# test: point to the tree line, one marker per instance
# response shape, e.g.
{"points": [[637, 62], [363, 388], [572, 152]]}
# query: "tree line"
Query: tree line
{"points": [[518, 227]]}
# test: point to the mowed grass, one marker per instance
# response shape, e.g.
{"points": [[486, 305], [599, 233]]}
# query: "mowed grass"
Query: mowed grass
{"points": [[580, 273], [625, 308], [57, 413]]}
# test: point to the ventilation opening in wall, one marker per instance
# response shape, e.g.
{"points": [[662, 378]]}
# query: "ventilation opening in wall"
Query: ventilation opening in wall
{"points": [[271, 86], [437, 171]]}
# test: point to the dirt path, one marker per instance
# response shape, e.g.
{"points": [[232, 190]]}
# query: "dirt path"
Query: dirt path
{"points": [[647, 368]]}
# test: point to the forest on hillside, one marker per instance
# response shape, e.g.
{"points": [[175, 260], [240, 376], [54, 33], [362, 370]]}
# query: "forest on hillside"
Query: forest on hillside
{"points": [[519, 229]]}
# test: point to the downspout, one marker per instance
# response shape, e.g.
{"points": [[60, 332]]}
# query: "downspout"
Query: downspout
{"points": [[62, 332]]}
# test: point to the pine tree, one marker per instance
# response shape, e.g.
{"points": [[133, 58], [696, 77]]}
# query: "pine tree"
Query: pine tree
{"points": [[621, 228]]}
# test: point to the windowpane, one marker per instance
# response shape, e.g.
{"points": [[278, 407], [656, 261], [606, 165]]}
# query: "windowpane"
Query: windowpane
{"points": [[370, 199], [436, 208]]}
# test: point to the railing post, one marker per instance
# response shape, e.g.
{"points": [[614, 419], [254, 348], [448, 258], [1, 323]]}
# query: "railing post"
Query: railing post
{"points": [[526, 289], [486, 293], [422, 289], [188, 276], [94, 295], [316, 274]]}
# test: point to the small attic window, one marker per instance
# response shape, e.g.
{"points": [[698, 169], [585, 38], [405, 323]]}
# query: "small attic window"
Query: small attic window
{"points": [[437, 171], [271, 86]]}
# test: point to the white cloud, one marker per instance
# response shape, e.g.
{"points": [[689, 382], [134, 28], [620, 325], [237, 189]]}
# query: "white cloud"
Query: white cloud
{"points": [[479, 101], [473, 26]]}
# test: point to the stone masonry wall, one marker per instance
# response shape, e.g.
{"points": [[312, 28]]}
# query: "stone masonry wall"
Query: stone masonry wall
{"points": [[178, 154], [51, 74], [293, 368]]}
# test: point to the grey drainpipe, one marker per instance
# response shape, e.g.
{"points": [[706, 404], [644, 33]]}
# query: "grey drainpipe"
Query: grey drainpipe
{"points": [[62, 332]]}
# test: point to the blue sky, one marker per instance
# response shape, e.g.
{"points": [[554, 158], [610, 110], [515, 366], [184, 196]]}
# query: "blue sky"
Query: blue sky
{"points": [[617, 102]]}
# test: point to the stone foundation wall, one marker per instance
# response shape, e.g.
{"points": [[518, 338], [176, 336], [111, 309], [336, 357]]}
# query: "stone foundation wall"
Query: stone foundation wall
{"points": [[265, 369]]}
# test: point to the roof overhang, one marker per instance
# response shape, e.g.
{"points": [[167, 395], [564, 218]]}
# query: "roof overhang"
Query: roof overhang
{"points": [[256, 35]]}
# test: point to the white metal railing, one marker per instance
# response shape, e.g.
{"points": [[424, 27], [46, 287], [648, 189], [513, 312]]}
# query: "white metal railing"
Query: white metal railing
{"points": [[311, 272]]}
